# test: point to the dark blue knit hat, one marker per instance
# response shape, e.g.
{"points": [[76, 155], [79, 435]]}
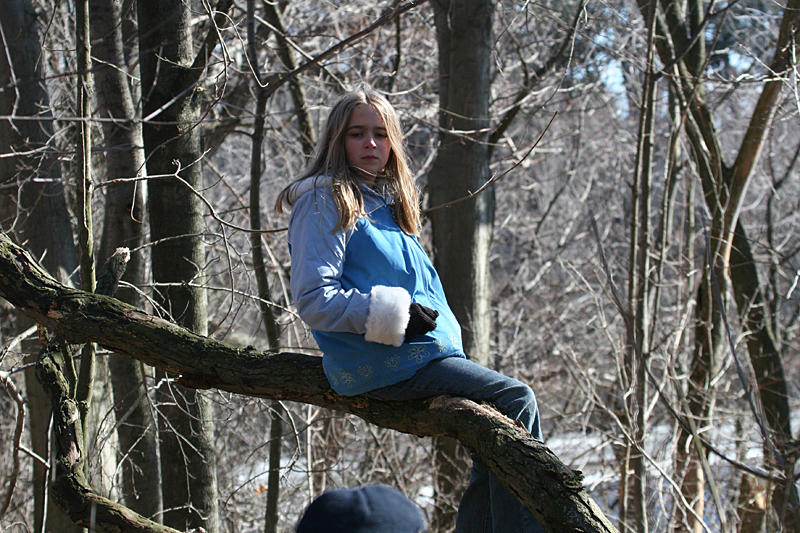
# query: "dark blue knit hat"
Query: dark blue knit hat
{"points": [[366, 509]]}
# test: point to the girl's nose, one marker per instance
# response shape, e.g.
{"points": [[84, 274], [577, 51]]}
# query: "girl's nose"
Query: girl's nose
{"points": [[371, 142]]}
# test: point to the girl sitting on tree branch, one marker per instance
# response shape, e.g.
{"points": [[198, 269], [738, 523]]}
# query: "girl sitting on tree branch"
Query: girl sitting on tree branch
{"points": [[372, 298]]}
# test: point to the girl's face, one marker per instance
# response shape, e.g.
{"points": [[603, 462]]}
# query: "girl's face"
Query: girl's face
{"points": [[366, 143]]}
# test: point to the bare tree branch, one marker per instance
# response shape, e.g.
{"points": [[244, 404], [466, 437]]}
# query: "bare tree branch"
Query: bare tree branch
{"points": [[12, 391], [553, 492], [497, 177], [278, 81]]}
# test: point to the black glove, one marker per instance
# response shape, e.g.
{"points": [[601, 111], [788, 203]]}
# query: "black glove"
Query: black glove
{"points": [[421, 320]]}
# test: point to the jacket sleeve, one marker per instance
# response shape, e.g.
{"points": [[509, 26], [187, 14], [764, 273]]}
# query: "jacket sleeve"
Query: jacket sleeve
{"points": [[318, 256]]}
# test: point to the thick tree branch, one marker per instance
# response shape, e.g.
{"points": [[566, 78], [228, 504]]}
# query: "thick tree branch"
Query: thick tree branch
{"points": [[551, 490], [84, 506], [217, 18], [765, 108]]}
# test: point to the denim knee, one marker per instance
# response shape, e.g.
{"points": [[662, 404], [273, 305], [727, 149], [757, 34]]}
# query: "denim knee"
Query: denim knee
{"points": [[519, 403]]}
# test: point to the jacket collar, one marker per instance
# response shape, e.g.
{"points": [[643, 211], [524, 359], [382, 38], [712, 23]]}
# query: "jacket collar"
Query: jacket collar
{"points": [[299, 188]]}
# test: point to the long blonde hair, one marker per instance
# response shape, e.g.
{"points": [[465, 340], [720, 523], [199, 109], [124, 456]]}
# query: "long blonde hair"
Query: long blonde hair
{"points": [[330, 159]]}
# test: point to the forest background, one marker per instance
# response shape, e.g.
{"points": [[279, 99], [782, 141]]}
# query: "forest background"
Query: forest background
{"points": [[611, 199]]}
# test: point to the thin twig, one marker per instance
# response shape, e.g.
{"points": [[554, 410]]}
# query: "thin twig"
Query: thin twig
{"points": [[21, 411], [277, 82], [686, 423], [194, 191], [495, 178], [16, 341]]}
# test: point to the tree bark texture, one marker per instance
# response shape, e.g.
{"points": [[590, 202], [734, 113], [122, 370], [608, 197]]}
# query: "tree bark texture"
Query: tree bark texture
{"points": [[462, 236], [123, 225], [173, 148], [82, 503], [553, 492], [34, 211], [767, 364]]}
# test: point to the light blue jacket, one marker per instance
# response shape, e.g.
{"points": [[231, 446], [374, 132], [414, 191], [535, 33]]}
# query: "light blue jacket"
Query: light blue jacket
{"points": [[353, 288]]}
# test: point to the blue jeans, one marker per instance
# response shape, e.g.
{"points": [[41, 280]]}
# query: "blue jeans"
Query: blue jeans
{"points": [[486, 506]]}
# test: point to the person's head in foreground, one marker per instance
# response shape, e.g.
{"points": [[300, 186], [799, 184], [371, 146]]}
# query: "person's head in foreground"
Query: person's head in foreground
{"points": [[365, 509]]}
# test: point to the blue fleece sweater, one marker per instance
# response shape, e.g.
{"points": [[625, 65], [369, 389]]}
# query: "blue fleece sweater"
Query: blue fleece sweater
{"points": [[353, 288]]}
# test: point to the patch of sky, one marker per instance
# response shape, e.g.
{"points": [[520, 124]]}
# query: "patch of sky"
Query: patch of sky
{"points": [[610, 73]]}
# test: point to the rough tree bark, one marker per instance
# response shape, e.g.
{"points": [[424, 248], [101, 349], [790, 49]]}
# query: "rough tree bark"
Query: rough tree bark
{"points": [[553, 492], [170, 73], [33, 210], [462, 237], [123, 225]]}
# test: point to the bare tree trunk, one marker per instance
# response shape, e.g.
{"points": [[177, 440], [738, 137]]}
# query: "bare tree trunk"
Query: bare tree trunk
{"points": [[171, 134], [262, 280], [55, 370], [34, 212], [638, 327], [768, 369], [682, 47], [462, 236], [85, 187], [92, 384], [687, 262], [123, 225]]}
